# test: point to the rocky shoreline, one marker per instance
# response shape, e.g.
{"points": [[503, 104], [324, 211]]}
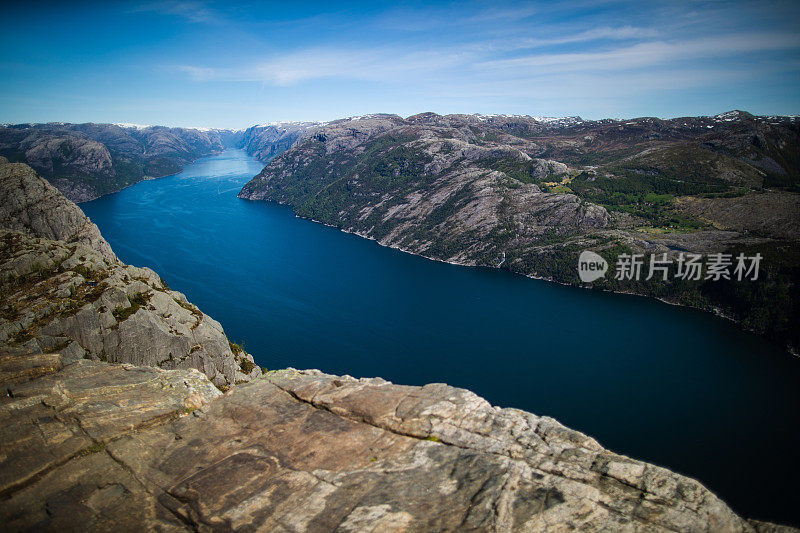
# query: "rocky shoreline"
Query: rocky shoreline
{"points": [[713, 310]]}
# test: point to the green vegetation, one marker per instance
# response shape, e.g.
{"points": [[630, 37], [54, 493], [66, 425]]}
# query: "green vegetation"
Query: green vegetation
{"points": [[198, 315], [136, 301], [236, 348], [324, 184], [646, 185], [246, 365], [524, 170], [561, 189], [95, 447]]}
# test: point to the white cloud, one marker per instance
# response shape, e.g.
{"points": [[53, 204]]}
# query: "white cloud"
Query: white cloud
{"points": [[647, 54], [483, 61], [200, 73], [190, 10]]}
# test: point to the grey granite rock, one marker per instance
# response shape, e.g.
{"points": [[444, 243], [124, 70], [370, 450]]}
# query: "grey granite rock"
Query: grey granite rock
{"points": [[116, 447], [85, 161], [428, 185], [111, 421], [62, 286], [30, 204]]}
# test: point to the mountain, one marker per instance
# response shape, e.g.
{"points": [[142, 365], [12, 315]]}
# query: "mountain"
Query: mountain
{"points": [[64, 290], [85, 161], [265, 141], [529, 194], [111, 420]]}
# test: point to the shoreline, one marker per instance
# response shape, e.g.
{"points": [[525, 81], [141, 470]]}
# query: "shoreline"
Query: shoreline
{"points": [[152, 178], [717, 312]]}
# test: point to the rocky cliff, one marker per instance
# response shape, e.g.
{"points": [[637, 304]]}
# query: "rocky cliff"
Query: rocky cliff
{"points": [[85, 161], [530, 194], [124, 448], [265, 141], [30, 205], [430, 187], [63, 288]]}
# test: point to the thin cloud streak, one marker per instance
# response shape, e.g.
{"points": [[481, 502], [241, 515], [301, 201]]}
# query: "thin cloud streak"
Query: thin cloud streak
{"points": [[651, 53], [187, 9], [393, 64]]}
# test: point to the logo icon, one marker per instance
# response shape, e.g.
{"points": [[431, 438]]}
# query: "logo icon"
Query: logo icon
{"points": [[591, 266]]}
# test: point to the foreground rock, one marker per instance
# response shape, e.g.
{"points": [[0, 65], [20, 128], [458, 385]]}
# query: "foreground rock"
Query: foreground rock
{"points": [[74, 296], [128, 448]]}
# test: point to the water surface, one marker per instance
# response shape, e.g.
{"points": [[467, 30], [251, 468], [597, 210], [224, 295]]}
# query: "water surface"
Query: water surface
{"points": [[673, 386]]}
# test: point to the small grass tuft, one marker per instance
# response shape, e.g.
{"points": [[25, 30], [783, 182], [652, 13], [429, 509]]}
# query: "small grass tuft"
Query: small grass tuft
{"points": [[246, 365], [137, 300], [236, 348], [94, 448]]}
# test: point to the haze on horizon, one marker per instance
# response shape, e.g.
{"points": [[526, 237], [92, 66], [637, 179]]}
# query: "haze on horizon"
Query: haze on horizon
{"points": [[195, 63]]}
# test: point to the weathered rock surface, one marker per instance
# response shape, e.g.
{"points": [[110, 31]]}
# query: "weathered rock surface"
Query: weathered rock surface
{"points": [[117, 447], [68, 290], [265, 141], [94, 446], [31, 205], [86, 305], [429, 185]]}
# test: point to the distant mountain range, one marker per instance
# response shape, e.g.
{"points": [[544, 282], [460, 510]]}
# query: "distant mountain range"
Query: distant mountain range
{"points": [[522, 193], [85, 161]]}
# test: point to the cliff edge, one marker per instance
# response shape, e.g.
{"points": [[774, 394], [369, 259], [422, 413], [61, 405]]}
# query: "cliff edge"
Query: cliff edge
{"points": [[63, 289], [119, 447]]}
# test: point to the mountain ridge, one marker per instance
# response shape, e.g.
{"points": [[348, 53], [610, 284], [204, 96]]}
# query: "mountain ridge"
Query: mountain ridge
{"points": [[528, 196]]}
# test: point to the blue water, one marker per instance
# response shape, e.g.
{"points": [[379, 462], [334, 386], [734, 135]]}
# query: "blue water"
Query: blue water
{"points": [[670, 385]]}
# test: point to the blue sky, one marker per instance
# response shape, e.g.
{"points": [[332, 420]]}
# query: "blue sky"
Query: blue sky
{"points": [[226, 64]]}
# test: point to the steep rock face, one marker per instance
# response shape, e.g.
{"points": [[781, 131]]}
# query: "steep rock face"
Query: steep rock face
{"points": [[62, 286], [54, 154], [427, 185], [123, 447], [85, 161], [31, 205], [94, 307], [530, 194], [268, 140]]}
